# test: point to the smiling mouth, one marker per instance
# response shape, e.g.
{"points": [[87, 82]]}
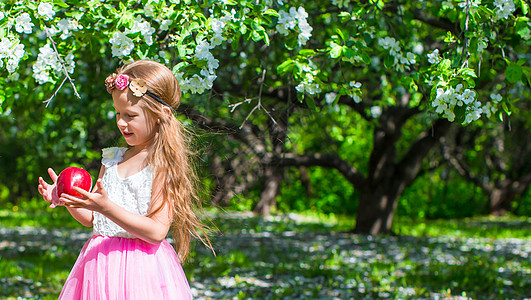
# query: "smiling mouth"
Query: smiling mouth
{"points": [[127, 134]]}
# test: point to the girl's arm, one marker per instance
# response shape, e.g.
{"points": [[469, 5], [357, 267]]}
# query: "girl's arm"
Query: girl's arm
{"points": [[152, 229], [83, 216]]}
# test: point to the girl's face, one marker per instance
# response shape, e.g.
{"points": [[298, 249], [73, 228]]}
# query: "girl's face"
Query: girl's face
{"points": [[138, 128]]}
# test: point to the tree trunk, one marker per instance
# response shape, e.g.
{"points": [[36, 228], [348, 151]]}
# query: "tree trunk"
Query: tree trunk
{"points": [[500, 200], [271, 188], [306, 182], [387, 178], [375, 212]]}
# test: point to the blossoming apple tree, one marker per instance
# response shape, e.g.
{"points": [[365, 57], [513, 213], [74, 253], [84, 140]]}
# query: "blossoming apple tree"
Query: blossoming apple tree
{"points": [[435, 63]]}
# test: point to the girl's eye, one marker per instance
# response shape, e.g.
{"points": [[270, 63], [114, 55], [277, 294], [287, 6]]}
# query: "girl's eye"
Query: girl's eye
{"points": [[131, 116]]}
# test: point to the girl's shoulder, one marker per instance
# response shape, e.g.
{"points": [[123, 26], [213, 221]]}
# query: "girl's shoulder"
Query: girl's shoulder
{"points": [[111, 156]]}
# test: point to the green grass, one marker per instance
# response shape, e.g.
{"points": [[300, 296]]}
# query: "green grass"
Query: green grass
{"points": [[478, 227], [304, 255]]}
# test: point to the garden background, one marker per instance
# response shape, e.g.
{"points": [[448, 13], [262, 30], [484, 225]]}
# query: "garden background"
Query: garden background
{"points": [[347, 149]]}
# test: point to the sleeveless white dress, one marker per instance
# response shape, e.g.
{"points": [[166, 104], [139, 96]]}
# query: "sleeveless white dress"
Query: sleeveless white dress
{"points": [[114, 264]]}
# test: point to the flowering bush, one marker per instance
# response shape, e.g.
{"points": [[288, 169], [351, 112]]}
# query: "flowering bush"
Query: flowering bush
{"points": [[354, 43]]}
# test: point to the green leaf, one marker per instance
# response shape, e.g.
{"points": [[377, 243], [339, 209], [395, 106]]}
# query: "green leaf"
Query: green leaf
{"points": [[60, 3], [469, 72], [271, 12], [286, 66], [243, 30], [307, 52], [341, 34], [444, 65], [513, 73], [349, 53], [235, 41], [291, 42], [266, 37], [485, 10], [365, 57], [336, 50], [310, 102], [460, 113], [182, 50], [506, 108], [527, 73], [256, 36]]}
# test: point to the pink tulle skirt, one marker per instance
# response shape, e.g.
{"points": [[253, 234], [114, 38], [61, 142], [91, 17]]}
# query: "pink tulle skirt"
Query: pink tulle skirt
{"points": [[125, 269]]}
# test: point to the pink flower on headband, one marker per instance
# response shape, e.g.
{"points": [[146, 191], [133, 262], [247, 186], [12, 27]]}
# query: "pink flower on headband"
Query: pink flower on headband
{"points": [[121, 82]]}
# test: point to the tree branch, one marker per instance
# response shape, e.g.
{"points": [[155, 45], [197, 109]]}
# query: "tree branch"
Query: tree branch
{"points": [[461, 167], [327, 160], [410, 164], [245, 134], [64, 70]]}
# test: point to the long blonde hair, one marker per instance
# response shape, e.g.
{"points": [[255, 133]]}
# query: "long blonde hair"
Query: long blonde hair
{"points": [[170, 155]]}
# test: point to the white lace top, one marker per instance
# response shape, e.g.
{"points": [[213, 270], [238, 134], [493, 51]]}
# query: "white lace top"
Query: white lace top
{"points": [[132, 193]]}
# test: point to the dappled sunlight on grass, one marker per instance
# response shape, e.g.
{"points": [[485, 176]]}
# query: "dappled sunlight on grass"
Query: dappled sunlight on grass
{"points": [[480, 227], [296, 256]]}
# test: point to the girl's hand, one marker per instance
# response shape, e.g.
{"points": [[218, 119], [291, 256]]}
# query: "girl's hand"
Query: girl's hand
{"points": [[95, 201], [49, 191]]}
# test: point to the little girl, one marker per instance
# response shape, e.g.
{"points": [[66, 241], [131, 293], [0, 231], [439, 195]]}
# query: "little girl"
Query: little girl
{"points": [[141, 192]]}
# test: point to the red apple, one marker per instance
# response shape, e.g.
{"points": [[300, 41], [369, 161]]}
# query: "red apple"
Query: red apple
{"points": [[71, 177]]}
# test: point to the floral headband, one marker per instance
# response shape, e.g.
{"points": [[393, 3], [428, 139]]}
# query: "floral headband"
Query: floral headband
{"points": [[136, 85]]}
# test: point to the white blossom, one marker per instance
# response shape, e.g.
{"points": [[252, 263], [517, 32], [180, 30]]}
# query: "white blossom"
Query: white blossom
{"points": [[52, 30], [46, 11], [285, 22], [355, 84], [496, 98], [503, 9], [389, 43], [434, 57], [202, 50], [142, 26], [489, 109], [23, 23], [47, 62], [217, 26], [122, 45], [308, 85], [13, 77], [216, 40], [295, 17], [2, 15], [212, 63], [376, 111], [341, 3], [418, 49], [409, 59], [482, 44], [148, 10], [447, 98], [165, 24], [330, 97], [355, 97], [306, 30], [472, 5], [401, 60], [66, 25], [196, 84], [13, 51], [448, 4], [69, 63], [469, 96]]}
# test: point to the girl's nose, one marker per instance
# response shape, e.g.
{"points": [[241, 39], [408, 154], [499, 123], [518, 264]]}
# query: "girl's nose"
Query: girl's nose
{"points": [[120, 122]]}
